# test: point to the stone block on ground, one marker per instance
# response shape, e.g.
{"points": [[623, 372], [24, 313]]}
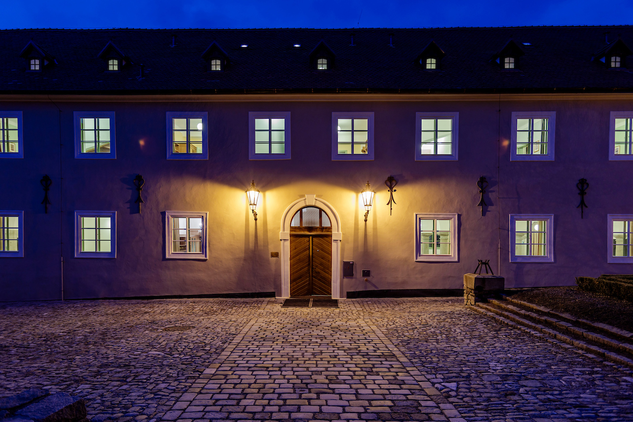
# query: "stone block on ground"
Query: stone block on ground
{"points": [[479, 287]]}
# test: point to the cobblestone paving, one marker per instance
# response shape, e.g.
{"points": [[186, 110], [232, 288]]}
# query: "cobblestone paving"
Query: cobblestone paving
{"points": [[249, 359]]}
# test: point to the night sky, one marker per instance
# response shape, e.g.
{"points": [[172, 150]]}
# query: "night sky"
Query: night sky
{"points": [[309, 13]]}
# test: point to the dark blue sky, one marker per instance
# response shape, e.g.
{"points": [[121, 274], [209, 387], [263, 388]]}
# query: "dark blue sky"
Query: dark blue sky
{"points": [[309, 13]]}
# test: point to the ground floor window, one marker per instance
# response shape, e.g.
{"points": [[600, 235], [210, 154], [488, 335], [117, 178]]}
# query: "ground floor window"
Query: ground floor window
{"points": [[11, 229], [186, 235], [436, 237], [531, 238], [95, 234], [619, 245]]}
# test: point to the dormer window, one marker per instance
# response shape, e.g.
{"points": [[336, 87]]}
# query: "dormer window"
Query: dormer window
{"points": [[113, 65], [35, 64], [431, 56], [431, 63], [616, 61], [322, 64], [508, 62], [216, 65]]}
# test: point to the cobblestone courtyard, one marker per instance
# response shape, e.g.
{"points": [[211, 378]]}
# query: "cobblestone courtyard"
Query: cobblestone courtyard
{"points": [[249, 359]]}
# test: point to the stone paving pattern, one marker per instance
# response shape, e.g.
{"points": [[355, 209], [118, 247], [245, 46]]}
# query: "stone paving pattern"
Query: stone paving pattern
{"points": [[249, 359]]}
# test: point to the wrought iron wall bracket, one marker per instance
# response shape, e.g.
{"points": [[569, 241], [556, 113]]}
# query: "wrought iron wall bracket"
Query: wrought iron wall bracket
{"points": [[391, 184], [139, 182], [582, 186], [482, 184], [46, 183]]}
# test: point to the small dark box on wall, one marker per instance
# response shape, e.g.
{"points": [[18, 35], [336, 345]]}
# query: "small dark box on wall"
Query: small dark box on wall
{"points": [[366, 273], [348, 268]]}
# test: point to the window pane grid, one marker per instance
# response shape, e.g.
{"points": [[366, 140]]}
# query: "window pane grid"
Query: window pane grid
{"points": [[96, 234], [270, 136], [9, 135], [530, 238], [187, 234], [187, 135], [35, 64], [623, 136], [113, 64], [532, 136], [436, 136], [353, 136], [435, 237], [9, 233], [95, 135], [622, 238]]}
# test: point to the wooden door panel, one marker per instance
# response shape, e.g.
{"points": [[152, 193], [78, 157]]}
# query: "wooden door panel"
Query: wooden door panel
{"points": [[300, 266], [322, 265]]}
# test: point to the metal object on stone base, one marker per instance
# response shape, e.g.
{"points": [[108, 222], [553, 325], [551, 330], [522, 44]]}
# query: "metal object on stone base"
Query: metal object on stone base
{"points": [[480, 287]]}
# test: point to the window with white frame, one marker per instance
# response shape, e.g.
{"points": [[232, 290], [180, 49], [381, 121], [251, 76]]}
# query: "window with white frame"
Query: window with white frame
{"points": [[186, 235], [353, 136], [616, 61], [34, 65], [508, 62], [269, 135], [187, 136], [11, 134], [216, 65], [621, 136], [113, 65], [531, 237], [431, 63], [436, 237], [95, 134], [533, 136], [436, 136], [321, 64], [11, 234], [95, 234], [619, 244]]}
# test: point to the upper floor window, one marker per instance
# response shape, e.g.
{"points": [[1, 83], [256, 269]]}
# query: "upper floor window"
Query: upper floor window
{"points": [[353, 136], [322, 64], [186, 233], [11, 232], [431, 63], [436, 136], [531, 238], [34, 64], [619, 244], [436, 237], [95, 234], [508, 62], [94, 134], [615, 61], [269, 135], [533, 136], [621, 135], [11, 134], [187, 136], [216, 65], [113, 65]]}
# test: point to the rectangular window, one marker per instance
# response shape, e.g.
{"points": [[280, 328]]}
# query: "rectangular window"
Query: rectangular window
{"points": [[11, 134], [95, 234], [269, 135], [436, 237], [95, 134], [187, 136], [34, 65], [619, 244], [436, 136], [186, 233], [113, 65], [353, 136], [533, 136], [531, 238], [621, 136], [11, 234]]}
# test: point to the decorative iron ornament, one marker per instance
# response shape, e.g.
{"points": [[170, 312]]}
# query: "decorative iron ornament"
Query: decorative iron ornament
{"points": [[483, 265], [139, 182], [582, 186], [482, 183], [46, 183], [391, 184]]}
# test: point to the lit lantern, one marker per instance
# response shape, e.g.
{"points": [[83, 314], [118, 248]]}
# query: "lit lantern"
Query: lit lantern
{"points": [[368, 199], [253, 197]]}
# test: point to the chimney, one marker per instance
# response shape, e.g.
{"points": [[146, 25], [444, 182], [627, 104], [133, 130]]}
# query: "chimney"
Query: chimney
{"points": [[173, 41], [390, 40], [606, 37], [352, 40]]}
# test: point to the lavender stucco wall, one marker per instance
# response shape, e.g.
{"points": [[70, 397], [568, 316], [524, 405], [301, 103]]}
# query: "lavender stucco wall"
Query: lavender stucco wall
{"points": [[239, 249]]}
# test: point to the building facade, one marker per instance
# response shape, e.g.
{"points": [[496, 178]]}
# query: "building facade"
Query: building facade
{"points": [[191, 118]]}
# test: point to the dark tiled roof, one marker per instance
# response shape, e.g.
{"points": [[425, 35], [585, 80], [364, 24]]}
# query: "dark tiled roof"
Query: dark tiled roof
{"points": [[557, 58]]}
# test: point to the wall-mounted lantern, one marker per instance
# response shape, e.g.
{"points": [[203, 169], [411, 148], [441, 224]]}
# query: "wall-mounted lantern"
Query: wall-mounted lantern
{"points": [[253, 196], [368, 199]]}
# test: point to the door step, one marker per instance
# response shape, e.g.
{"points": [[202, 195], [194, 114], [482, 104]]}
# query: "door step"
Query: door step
{"points": [[310, 303], [607, 342]]}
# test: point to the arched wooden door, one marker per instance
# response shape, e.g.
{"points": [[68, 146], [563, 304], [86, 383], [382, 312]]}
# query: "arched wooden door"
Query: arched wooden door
{"points": [[310, 253]]}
